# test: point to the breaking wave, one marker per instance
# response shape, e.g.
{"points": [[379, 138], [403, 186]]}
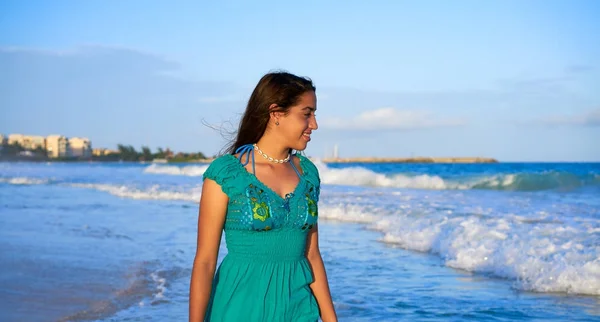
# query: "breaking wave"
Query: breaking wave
{"points": [[511, 247], [191, 170], [358, 176]]}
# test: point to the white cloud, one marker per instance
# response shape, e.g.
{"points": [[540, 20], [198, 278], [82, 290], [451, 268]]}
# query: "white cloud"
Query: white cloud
{"points": [[390, 118], [588, 118]]}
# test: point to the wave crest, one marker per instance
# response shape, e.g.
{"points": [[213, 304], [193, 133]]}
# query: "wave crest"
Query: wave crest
{"points": [[359, 176], [190, 170], [505, 247], [24, 181]]}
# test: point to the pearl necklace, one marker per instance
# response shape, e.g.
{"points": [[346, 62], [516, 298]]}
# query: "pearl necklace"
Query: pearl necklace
{"points": [[270, 158]]}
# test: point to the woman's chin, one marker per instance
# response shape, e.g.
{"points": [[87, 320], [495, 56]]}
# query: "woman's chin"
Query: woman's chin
{"points": [[300, 146]]}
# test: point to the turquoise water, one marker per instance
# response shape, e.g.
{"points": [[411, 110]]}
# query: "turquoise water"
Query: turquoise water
{"points": [[401, 242]]}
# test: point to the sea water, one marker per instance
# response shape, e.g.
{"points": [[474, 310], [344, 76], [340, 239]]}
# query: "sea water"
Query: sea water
{"points": [[401, 242]]}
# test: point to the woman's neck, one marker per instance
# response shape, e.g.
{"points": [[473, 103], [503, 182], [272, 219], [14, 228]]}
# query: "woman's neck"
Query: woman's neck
{"points": [[272, 148]]}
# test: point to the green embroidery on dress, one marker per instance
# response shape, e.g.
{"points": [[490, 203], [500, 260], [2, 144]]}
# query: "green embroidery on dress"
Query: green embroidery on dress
{"points": [[260, 210], [311, 204], [312, 211]]}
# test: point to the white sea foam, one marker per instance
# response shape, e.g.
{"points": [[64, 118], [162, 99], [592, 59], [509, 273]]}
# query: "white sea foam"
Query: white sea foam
{"points": [[360, 176], [190, 170], [364, 177], [153, 193], [346, 213], [538, 255], [160, 282], [24, 181]]}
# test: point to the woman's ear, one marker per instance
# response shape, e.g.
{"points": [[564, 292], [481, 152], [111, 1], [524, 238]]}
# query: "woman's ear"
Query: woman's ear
{"points": [[274, 112]]}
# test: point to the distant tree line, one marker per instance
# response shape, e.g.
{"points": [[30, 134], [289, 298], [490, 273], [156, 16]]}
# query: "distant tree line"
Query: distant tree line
{"points": [[16, 148], [124, 153], [129, 153]]}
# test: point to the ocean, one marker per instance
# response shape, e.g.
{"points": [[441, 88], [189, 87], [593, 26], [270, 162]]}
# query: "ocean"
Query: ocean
{"points": [[401, 242]]}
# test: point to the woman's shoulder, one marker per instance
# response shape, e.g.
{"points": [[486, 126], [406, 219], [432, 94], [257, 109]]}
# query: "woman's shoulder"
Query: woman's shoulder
{"points": [[223, 159], [222, 166], [309, 169]]}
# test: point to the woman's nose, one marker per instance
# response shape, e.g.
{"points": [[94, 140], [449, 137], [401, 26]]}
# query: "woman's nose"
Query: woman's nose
{"points": [[313, 124]]}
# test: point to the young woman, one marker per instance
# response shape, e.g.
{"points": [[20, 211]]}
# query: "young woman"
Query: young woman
{"points": [[265, 199]]}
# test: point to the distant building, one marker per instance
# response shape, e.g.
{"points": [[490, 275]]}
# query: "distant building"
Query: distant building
{"points": [[15, 139], [80, 147], [103, 151], [28, 142], [57, 146], [3, 139], [32, 142]]}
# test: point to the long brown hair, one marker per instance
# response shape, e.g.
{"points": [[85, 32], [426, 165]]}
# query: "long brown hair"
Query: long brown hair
{"points": [[280, 88]]}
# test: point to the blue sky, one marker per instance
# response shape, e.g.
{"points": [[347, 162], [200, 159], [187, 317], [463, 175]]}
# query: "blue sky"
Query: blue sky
{"points": [[513, 80]]}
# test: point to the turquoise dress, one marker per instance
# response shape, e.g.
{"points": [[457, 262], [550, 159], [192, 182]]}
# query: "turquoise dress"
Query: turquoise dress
{"points": [[265, 275]]}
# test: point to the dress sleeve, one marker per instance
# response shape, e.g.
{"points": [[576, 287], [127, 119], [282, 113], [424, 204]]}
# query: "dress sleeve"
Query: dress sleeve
{"points": [[311, 174], [225, 171]]}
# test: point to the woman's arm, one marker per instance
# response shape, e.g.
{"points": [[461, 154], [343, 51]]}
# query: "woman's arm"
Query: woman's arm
{"points": [[320, 286], [211, 217]]}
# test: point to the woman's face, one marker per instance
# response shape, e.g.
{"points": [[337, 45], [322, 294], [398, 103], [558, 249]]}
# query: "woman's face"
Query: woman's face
{"points": [[296, 127]]}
